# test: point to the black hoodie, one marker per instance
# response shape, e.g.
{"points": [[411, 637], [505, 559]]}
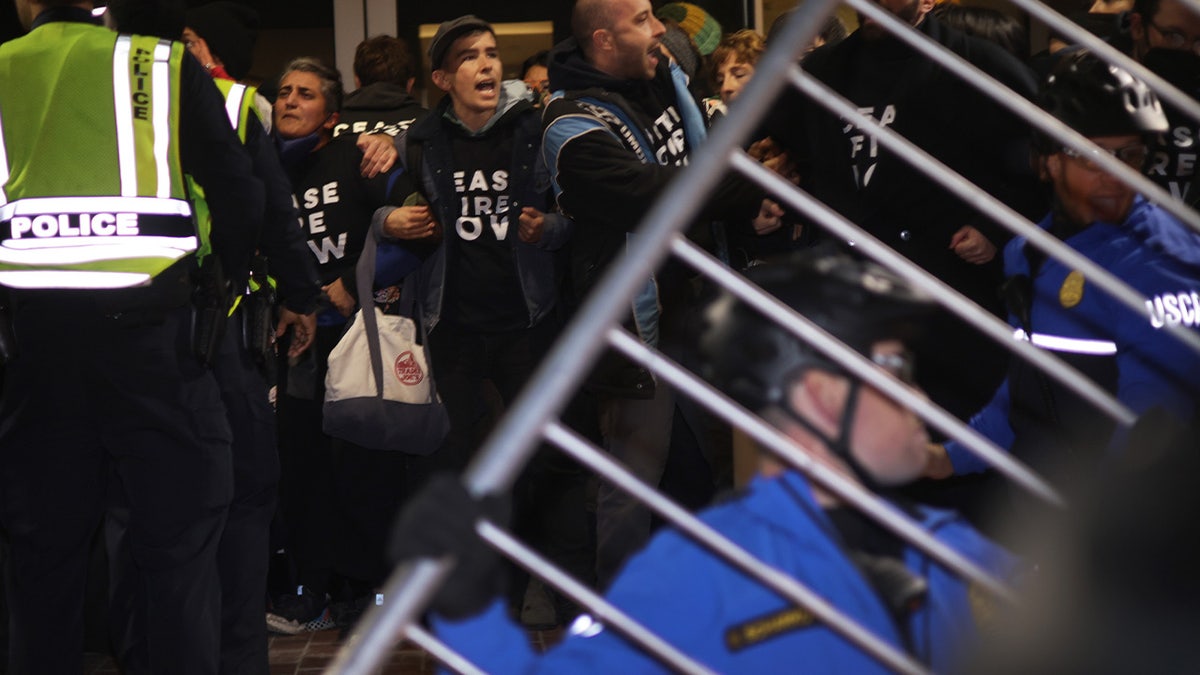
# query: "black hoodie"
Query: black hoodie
{"points": [[380, 105]]}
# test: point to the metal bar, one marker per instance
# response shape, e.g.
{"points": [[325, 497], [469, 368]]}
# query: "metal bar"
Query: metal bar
{"points": [[500, 459], [998, 330], [983, 201], [602, 609], [823, 474], [514, 440], [862, 368], [773, 578], [408, 590], [359, 656], [438, 650], [1018, 104]]}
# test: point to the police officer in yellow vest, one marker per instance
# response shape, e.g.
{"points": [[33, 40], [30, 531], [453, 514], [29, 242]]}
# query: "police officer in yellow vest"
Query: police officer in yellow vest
{"points": [[107, 401], [243, 554]]}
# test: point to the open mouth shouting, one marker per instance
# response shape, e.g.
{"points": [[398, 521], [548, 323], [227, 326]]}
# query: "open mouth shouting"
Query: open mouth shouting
{"points": [[655, 54], [487, 87]]}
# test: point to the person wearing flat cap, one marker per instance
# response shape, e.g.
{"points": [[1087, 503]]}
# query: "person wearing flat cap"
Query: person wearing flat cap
{"points": [[489, 293]]}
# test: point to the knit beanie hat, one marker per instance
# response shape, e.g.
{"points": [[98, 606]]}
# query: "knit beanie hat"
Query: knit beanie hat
{"points": [[697, 23], [680, 45], [230, 30]]}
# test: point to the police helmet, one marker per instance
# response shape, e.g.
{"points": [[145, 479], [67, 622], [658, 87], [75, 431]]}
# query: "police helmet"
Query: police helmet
{"points": [[753, 359], [1096, 98]]}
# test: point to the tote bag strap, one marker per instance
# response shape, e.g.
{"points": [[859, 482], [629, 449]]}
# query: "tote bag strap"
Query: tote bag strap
{"points": [[365, 280], [410, 293]]}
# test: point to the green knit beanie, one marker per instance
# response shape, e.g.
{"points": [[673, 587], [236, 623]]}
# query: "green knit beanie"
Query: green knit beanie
{"points": [[697, 23]]}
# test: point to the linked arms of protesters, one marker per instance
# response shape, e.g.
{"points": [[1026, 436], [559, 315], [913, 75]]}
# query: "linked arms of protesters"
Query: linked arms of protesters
{"points": [[378, 154], [541, 225]]}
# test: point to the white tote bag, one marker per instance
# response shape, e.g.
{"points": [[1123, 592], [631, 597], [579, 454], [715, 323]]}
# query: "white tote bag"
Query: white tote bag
{"points": [[379, 391]]}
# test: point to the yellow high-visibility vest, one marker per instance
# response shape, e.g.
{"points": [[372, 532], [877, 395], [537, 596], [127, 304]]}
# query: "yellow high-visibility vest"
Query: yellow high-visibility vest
{"points": [[92, 193]]}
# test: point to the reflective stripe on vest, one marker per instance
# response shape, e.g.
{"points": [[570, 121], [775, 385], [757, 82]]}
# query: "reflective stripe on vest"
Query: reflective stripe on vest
{"points": [[239, 105], [233, 105], [137, 226], [239, 102], [1058, 343], [134, 151]]}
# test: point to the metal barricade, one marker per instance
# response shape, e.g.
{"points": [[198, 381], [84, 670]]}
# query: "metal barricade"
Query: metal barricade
{"points": [[533, 417]]}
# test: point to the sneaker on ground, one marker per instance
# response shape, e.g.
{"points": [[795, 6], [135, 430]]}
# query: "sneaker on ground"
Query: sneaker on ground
{"points": [[299, 612]]}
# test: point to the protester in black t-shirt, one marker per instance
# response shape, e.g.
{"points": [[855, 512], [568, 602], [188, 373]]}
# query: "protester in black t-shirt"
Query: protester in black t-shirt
{"points": [[489, 294], [336, 499]]}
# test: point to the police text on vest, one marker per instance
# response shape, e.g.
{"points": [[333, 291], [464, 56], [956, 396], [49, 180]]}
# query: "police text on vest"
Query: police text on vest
{"points": [[75, 225]]}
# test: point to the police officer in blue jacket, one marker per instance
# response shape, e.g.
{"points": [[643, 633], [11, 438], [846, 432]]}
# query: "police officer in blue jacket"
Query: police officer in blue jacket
{"points": [[1128, 353], [695, 600]]}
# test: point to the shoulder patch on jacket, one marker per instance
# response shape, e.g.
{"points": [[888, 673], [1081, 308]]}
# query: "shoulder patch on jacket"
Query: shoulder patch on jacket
{"points": [[764, 628]]}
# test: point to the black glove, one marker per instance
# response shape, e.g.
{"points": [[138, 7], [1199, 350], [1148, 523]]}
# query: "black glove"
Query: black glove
{"points": [[440, 521]]}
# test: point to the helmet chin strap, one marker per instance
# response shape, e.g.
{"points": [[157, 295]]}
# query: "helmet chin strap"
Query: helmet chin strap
{"points": [[1062, 224], [841, 444]]}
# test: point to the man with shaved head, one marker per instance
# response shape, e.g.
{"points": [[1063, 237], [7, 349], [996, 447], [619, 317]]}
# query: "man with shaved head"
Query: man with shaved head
{"points": [[620, 125], [587, 17]]}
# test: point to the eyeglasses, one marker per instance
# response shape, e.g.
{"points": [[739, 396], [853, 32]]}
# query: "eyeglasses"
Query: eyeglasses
{"points": [[1133, 155], [901, 365], [1173, 39]]}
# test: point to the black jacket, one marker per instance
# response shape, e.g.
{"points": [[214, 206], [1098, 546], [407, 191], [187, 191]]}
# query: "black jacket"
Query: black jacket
{"points": [[537, 266], [609, 174], [940, 113], [605, 187]]}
